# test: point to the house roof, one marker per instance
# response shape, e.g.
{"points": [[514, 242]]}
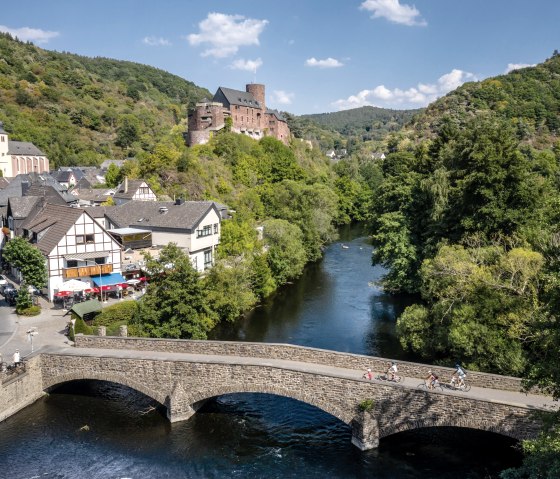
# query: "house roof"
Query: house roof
{"points": [[23, 148], [53, 221], [99, 211], [20, 207], [275, 113], [107, 163], [63, 176], [133, 186], [92, 194], [238, 97], [152, 214], [4, 182]]}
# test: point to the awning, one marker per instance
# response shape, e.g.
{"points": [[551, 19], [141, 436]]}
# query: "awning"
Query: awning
{"points": [[87, 307], [108, 279]]}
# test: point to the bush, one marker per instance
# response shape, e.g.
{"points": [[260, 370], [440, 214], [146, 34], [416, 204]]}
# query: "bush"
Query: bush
{"points": [[82, 327], [31, 311], [366, 405], [121, 313]]}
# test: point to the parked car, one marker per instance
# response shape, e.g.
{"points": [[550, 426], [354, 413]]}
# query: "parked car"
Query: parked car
{"points": [[3, 280], [10, 293]]}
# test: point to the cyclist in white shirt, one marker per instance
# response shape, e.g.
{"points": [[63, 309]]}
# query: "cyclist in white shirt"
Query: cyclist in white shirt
{"points": [[392, 371], [459, 375]]}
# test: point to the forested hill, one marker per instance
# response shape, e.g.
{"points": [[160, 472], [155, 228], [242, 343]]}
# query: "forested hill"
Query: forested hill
{"points": [[80, 110], [371, 123], [527, 98]]}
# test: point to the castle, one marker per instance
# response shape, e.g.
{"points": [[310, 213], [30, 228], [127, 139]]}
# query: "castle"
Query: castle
{"points": [[247, 113]]}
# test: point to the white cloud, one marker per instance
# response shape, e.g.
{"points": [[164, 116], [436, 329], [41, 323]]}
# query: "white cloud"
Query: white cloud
{"points": [[282, 97], [413, 97], [224, 34], [247, 65], [27, 34], [517, 66], [156, 41], [393, 11], [326, 63]]}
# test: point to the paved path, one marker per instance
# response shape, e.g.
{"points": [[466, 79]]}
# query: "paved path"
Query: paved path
{"points": [[484, 394]]}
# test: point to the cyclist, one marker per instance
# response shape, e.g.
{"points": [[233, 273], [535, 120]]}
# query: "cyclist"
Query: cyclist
{"points": [[368, 374], [431, 380], [392, 371], [458, 376]]}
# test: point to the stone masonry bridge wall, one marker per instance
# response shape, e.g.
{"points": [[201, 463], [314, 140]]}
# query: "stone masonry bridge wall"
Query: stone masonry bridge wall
{"points": [[182, 385], [293, 353]]}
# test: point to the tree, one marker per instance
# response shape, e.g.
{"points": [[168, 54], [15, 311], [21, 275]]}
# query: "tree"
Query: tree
{"points": [[113, 176], [128, 130], [28, 260], [23, 300], [286, 253], [175, 304]]}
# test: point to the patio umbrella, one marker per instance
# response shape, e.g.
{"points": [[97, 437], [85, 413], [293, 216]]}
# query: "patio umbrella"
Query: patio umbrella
{"points": [[133, 281], [62, 294], [74, 285]]}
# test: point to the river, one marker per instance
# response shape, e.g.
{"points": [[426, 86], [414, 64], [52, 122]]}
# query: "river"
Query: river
{"points": [[98, 430]]}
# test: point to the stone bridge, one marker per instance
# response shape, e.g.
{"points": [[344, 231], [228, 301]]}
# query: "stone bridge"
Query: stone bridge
{"points": [[181, 375]]}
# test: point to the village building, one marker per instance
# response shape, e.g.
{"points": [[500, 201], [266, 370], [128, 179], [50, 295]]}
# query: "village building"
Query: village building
{"points": [[75, 247], [194, 226], [246, 112], [17, 157], [133, 190]]}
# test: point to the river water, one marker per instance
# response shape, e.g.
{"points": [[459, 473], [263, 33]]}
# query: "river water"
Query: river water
{"points": [[98, 430]]}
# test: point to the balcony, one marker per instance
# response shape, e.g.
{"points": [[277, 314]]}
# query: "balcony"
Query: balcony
{"points": [[83, 271]]}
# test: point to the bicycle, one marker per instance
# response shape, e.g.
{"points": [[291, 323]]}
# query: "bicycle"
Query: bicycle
{"points": [[436, 386], [455, 386], [385, 377]]}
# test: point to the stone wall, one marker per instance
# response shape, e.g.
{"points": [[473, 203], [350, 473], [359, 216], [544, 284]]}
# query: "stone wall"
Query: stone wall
{"points": [[293, 353], [20, 390], [181, 385]]}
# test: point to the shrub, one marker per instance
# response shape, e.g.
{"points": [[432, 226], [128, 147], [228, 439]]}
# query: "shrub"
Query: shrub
{"points": [[82, 327], [31, 311], [121, 313], [366, 405]]}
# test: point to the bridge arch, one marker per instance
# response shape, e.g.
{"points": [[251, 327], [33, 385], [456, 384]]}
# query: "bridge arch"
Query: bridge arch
{"points": [[343, 415], [116, 378], [459, 422]]}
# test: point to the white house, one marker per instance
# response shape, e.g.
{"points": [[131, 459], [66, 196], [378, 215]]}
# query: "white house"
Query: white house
{"points": [[133, 190], [20, 157], [75, 247], [194, 226]]}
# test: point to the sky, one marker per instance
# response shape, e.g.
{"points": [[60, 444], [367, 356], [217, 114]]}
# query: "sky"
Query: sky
{"points": [[314, 56]]}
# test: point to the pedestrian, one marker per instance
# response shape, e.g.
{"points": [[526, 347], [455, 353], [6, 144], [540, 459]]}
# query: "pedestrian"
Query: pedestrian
{"points": [[16, 357]]}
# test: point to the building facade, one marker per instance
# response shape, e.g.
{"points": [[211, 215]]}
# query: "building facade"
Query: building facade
{"points": [[246, 112], [20, 157]]}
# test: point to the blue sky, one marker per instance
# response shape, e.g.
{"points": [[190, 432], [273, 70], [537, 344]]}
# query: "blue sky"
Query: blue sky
{"points": [[313, 55]]}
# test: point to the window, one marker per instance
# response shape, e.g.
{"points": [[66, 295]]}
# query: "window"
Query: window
{"points": [[205, 231], [71, 263], [215, 228], [100, 260], [208, 258], [85, 239]]}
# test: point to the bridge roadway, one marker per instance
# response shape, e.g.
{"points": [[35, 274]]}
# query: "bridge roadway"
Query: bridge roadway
{"points": [[513, 398], [182, 381]]}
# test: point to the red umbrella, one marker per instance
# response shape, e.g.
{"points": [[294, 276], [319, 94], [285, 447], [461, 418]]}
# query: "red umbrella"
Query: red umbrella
{"points": [[143, 278], [62, 294], [105, 288], [124, 285]]}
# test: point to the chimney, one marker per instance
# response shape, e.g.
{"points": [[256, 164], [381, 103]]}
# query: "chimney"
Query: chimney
{"points": [[179, 201], [126, 184]]}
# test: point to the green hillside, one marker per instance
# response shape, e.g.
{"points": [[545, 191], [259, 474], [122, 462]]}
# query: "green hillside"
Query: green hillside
{"points": [[368, 122], [529, 99], [80, 110]]}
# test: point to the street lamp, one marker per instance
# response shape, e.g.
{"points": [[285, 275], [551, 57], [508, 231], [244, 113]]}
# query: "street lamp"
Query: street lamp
{"points": [[30, 333]]}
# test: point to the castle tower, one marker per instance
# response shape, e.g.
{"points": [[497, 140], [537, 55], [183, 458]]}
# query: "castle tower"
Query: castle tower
{"points": [[257, 90]]}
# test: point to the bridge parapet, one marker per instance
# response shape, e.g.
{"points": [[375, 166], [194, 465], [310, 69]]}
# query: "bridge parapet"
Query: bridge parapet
{"points": [[293, 353]]}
